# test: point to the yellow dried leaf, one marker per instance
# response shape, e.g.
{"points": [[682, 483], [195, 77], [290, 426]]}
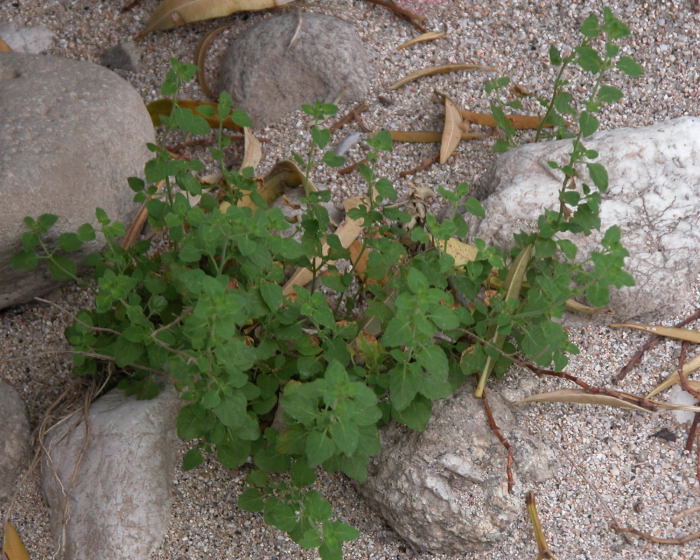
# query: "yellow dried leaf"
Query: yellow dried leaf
{"points": [[669, 332], [432, 70], [429, 36], [283, 176], [451, 133], [4, 47], [12, 545], [673, 379], [252, 150], [582, 397], [461, 252], [172, 13], [576, 307]]}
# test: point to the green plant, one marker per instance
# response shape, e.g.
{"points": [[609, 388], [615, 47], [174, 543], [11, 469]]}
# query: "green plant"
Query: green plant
{"points": [[305, 381]]}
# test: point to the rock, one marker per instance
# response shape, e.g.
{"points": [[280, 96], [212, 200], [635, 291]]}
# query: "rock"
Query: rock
{"points": [[291, 59], [653, 195], [445, 489], [71, 133], [124, 56], [34, 39], [14, 435], [119, 504]]}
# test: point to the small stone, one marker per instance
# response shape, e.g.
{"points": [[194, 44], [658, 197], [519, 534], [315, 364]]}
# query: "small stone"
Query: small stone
{"points": [[124, 56], [33, 39], [292, 59]]}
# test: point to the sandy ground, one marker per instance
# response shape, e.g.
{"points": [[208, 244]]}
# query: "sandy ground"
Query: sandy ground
{"points": [[611, 467]]}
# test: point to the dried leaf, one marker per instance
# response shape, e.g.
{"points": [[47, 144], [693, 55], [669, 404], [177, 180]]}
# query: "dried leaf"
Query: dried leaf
{"points": [[451, 133], [670, 332], [429, 36], [347, 232], [582, 397], [461, 252], [519, 122], [252, 150], [432, 70], [576, 307], [285, 175], [172, 13], [200, 55], [4, 47], [165, 106], [12, 545], [429, 135], [673, 379]]}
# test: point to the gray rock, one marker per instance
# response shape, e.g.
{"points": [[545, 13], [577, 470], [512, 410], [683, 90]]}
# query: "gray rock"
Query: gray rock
{"points": [[124, 56], [71, 133], [33, 39], [119, 502], [653, 195], [445, 489], [291, 59], [14, 440]]}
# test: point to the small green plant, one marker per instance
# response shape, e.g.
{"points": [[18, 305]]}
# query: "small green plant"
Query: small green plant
{"points": [[306, 380]]}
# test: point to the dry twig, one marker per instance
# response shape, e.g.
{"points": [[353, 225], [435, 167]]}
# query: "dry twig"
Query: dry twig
{"points": [[496, 430], [413, 18], [427, 162], [352, 115]]}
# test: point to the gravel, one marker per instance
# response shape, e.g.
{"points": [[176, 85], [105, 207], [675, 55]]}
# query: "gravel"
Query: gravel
{"points": [[611, 468]]}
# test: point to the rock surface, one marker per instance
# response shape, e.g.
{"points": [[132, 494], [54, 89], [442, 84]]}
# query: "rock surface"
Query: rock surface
{"points": [[120, 500], [14, 440], [445, 489], [66, 151], [653, 195], [303, 58]]}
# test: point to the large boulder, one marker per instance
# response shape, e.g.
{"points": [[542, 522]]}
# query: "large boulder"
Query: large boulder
{"points": [[14, 440], [445, 489], [71, 133], [653, 195], [290, 59], [119, 496]]}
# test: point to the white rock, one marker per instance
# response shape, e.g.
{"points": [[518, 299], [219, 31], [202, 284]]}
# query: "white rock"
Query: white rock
{"points": [[653, 195]]}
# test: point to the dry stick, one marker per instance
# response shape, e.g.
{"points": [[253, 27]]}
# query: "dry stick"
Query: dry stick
{"points": [[495, 429], [682, 376], [648, 345], [352, 115], [652, 538], [427, 162], [414, 19], [350, 168]]}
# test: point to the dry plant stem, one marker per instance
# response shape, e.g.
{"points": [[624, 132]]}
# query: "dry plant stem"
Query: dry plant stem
{"points": [[200, 58], [648, 345], [652, 538], [691, 432], [681, 514], [414, 19], [542, 547], [427, 162], [496, 430], [350, 168], [352, 115], [130, 6]]}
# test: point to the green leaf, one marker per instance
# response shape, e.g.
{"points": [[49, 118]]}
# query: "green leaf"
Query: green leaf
{"points": [[630, 67], [241, 118], [599, 175], [474, 207], [69, 241], [331, 159], [612, 26], [416, 415], [302, 475], [189, 122], [590, 27], [609, 94], [232, 409], [193, 458], [345, 435], [319, 448], [320, 136], [588, 59], [554, 56], [251, 499], [316, 506], [588, 123], [86, 233], [62, 267], [568, 248], [233, 456], [403, 386], [24, 260], [46, 221], [272, 295], [279, 514]]}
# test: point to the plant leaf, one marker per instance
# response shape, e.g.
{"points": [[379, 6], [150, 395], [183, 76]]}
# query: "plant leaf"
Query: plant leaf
{"points": [[582, 397], [672, 379], [429, 36], [451, 132], [165, 106], [12, 545], [432, 70], [252, 150], [172, 13], [4, 47]]}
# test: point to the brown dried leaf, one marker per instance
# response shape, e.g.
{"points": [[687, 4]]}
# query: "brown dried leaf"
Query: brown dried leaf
{"points": [[673, 379], [432, 70], [582, 397], [576, 307], [172, 13], [669, 332], [461, 252], [429, 135], [4, 47], [165, 106], [429, 36], [451, 133], [200, 55]]}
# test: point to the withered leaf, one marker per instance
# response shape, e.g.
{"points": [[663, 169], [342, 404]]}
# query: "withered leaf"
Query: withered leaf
{"points": [[451, 133], [422, 38], [12, 545], [432, 70], [252, 150], [429, 135], [670, 332]]}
